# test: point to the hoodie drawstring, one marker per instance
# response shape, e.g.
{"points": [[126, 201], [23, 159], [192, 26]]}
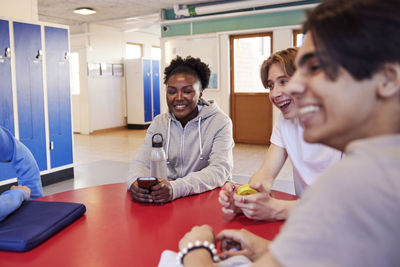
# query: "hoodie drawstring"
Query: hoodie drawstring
{"points": [[201, 149], [168, 139]]}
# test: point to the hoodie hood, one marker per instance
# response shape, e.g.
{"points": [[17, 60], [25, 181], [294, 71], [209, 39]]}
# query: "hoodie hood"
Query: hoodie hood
{"points": [[207, 109]]}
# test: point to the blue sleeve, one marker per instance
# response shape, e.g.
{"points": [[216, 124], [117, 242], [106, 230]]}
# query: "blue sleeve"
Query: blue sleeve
{"points": [[6, 147], [11, 200], [24, 163]]}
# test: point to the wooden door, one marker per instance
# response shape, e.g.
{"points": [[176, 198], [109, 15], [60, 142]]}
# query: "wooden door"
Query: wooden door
{"points": [[251, 110]]}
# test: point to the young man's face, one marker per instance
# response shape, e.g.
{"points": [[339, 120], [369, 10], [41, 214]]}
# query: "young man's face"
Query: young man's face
{"points": [[277, 81], [332, 112]]}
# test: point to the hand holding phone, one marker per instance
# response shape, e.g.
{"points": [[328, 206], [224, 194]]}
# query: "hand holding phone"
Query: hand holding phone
{"points": [[147, 182], [228, 244]]}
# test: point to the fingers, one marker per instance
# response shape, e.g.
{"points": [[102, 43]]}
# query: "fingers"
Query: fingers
{"points": [[229, 187], [257, 187], [162, 192], [230, 245], [230, 253], [139, 194], [161, 198], [241, 201], [234, 235], [159, 193], [21, 187], [224, 198], [141, 197], [228, 211]]}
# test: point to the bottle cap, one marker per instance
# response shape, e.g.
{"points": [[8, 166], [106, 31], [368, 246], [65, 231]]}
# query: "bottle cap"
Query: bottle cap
{"points": [[246, 190], [157, 140]]}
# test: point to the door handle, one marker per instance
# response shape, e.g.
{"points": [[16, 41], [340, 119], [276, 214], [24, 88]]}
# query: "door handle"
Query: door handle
{"points": [[39, 54], [7, 53]]}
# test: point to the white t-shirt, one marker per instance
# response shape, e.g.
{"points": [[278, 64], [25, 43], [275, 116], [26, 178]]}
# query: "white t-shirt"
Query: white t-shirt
{"points": [[351, 215], [308, 160]]}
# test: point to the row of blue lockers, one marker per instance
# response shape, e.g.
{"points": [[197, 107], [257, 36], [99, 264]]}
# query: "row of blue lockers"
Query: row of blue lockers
{"points": [[29, 53]]}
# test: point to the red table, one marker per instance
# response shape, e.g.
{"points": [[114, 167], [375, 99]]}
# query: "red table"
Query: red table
{"points": [[115, 231]]}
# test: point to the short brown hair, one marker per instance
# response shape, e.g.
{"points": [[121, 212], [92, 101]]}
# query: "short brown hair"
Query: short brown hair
{"points": [[285, 58]]}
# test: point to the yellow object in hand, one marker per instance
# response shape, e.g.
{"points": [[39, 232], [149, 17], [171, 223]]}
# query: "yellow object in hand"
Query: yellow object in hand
{"points": [[245, 190]]}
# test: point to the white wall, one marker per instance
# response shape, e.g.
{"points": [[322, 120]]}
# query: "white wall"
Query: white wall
{"points": [[19, 9], [105, 97], [203, 46], [80, 103], [102, 102]]}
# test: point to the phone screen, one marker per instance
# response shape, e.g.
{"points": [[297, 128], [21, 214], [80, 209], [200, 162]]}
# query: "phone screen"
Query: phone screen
{"points": [[147, 182]]}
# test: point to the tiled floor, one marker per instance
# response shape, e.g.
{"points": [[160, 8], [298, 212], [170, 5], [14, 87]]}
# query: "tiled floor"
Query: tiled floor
{"points": [[103, 158]]}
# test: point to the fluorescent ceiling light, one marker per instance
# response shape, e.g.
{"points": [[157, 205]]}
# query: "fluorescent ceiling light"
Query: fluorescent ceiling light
{"points": [[84, 11]]}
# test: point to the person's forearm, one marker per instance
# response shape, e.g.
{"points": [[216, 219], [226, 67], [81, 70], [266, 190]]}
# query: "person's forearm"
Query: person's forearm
{"points": [[282, 208], [273, 161], [11, 200], [198, 182], [262, 177], [198, 257], [267, 260]]}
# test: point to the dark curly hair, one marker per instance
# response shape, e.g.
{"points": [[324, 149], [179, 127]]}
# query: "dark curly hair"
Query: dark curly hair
{"points": [[188, 65]]}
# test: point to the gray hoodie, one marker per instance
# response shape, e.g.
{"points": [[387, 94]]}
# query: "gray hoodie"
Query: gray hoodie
{"points": [[199, 156]]}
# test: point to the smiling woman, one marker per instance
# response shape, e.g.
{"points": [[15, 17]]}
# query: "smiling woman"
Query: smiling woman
{"points": [[185, 79], [197, 138]]}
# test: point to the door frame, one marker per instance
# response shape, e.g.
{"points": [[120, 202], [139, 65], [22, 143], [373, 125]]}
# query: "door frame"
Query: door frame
{"points": [[232, 71]]}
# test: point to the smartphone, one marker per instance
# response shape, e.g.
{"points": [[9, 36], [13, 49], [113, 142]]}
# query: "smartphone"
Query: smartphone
{"points": [[228, 244], [147, 182]]}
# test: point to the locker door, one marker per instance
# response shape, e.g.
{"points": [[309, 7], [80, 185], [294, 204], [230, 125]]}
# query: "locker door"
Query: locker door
{"points": [[148, 110], [6, 99], [156, 86], [28, 65], [58, 96], [6, 115]]}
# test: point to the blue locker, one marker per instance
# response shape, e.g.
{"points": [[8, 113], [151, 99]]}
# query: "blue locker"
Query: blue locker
{"points": [[28, 65], [148, 107], [58, 96], [143, 91], [6, 115], [6, 99], [156, 86]]}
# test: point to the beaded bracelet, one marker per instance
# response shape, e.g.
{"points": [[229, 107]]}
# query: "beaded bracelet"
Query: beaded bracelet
{"points": [[190, 246]]}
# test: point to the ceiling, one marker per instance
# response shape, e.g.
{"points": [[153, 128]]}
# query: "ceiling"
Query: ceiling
{"points": [[132, 15], [125, 15]]}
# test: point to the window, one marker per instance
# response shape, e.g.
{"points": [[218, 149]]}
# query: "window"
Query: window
{"points": [[156, 52], [298, 38], [74, 71], [249, 52], [133, 50]]}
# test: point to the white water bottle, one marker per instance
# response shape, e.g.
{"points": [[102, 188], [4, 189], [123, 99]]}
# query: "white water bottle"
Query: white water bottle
{"points": [[158, 164]]}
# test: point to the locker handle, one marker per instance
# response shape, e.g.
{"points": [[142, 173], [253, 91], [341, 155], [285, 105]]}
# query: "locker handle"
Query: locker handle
{"points": [[51, 145], [39, 54], [7, 53], [66, 55]]}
